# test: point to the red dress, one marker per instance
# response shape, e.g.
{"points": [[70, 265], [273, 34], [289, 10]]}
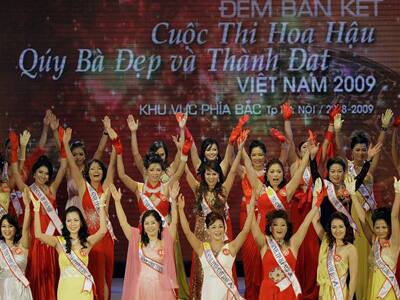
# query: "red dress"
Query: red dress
{"points": [[272, 273], [307, 257], [251, 262], [42, 270], [162, 206], [101, 257]]}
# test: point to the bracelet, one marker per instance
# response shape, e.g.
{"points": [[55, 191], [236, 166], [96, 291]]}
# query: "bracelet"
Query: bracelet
{"points": [[384, 128]]}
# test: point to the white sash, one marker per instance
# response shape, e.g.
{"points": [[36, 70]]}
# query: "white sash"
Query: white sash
{"points": [[306, 176], [150, 262], [273, 197], [12, 264], [370, 202], [220, 271], [96, 203], [150, 206], [337, 204], [333, 275], [391, 281], [2, 211], [15, 196], [55, 222], [79, 266], [285, 267]]}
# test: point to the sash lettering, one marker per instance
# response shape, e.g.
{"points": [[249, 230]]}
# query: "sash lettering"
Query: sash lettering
{"points": [[150, 206], [273, 197], [391, 281], [284, 265], [370, 203], [55, 222], [96, 203], [333, 274], [79, 266], [12, 264], [15, 196], [337, 204], [150, 262], [220, 271]]}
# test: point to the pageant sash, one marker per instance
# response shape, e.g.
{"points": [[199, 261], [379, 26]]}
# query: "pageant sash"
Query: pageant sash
{"points": [[15, 196], [220, 271], [150, 206], [48, 207], [96, 203], [12, 264], [284, 265], [2, 211], [273, 197], [79, 265], [337, 204], [150, 262], [370, 202], [391, 281], [306, 176], [333, 274]]}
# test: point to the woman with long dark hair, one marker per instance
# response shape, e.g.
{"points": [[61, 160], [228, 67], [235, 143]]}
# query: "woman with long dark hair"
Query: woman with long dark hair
{"points": [[211, 195], [14, 245], [43, 277], [278, 247], [96, 178], [73, 247], [338, 258], [150, 268], [384, 238]]}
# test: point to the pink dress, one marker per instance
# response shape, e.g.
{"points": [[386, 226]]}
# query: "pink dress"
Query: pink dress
{"points": [[143, 282]]}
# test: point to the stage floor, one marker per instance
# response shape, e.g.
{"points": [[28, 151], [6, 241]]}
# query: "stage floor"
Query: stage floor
{"points": [[116, 289]]}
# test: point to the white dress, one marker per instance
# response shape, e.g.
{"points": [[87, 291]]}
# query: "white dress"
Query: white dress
{"points": [[10, 287], [213, 288]]}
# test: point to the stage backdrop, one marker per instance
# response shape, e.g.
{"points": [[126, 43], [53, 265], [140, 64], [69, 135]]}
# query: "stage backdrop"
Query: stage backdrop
{"points": [[214, 59]]}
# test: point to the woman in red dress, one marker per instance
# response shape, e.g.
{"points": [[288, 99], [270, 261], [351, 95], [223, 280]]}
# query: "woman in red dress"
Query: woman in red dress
{"points": [[279, 250], [97, 179], [42, 270]]}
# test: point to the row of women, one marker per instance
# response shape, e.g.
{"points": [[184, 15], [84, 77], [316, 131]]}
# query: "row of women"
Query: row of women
{"points": [[350, 250]]}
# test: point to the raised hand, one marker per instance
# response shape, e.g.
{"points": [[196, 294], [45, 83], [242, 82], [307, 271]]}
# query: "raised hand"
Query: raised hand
{"points": [[112, 133], [26, 197], [106, 122], [350, 184], [374, 150], [338, 122], [313, 149], [54, 122], [278, 135], [47, 118], [318, 196], [287, 111], [36, 203], [175, 139], [318, 186], [116, 194], [181, 201], [67, 136], [336, 109], [242, 138], [24, 138], [132, 124], [386, 117], [312, 137], [105, 196], [182, 119]]}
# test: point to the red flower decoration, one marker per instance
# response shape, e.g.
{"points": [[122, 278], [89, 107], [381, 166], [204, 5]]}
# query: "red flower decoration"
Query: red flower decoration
{"points": [[160, 252], [226, 251], [337, 257]]}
